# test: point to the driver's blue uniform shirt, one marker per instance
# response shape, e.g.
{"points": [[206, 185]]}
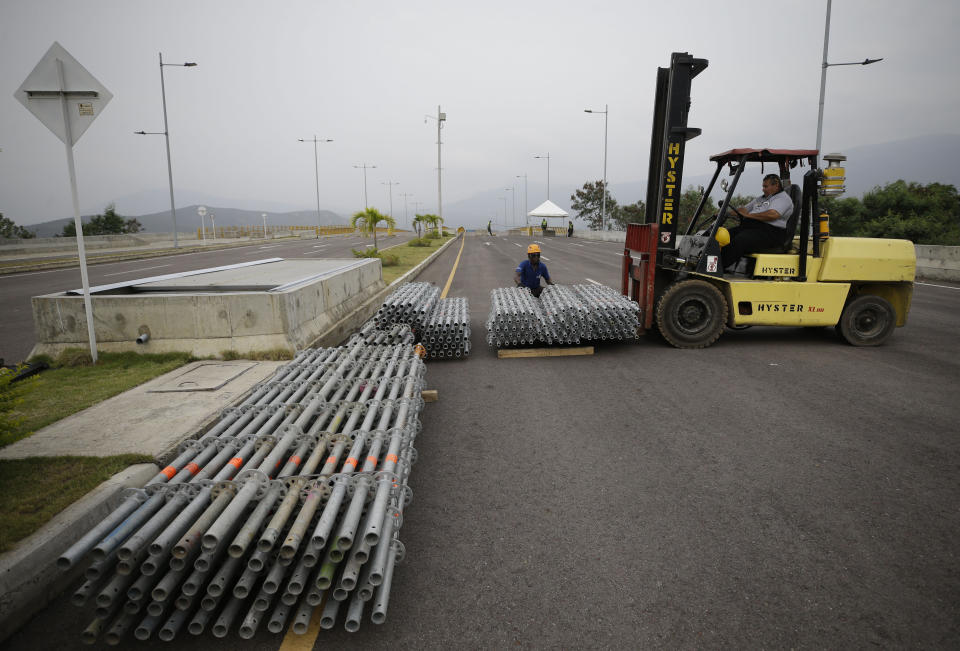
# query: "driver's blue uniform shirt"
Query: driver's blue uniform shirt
{"points": [[530, 277]]}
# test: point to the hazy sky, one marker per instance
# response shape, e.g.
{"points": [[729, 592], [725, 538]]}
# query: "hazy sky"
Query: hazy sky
{"points": [[513, 78]]}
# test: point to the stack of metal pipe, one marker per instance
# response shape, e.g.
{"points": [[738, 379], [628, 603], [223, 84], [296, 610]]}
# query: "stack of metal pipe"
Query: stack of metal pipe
{"points": [[611, 315], [564, 314], [446, 332], [294, 498], [516, 318], [399, 333], [411, 303]]}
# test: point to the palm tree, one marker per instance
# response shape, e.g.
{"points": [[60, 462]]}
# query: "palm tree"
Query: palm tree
{"points": [[368, 219], [418, 222]]}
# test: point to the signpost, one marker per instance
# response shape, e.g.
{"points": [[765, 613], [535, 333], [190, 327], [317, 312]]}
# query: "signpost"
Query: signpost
{"points": [[67, 99], [202, 210]]}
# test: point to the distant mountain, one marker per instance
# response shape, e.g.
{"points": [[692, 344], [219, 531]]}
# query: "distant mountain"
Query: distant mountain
{"points": [[926, 159], [188, 220]]}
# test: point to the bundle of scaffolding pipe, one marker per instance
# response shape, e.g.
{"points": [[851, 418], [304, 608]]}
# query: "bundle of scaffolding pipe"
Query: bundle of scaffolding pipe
{"points": [[294, 498], [446, 331], [564, 314], [411, 303]]}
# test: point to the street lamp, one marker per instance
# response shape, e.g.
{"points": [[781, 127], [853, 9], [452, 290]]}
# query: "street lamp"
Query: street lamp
{"points": [[264, 216], [526, 218], [391, 184], [823, 73], [316, 172], [166, 134], [441, 118], [548, 173], [365, 167], [406, 219], [603, 209]]}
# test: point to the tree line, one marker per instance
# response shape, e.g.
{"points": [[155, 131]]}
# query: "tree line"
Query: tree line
{"points": [[922, 213]]}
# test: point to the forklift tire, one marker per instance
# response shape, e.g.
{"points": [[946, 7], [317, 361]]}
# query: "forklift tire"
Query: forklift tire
{"points": [[692, 314], [867, 321]]}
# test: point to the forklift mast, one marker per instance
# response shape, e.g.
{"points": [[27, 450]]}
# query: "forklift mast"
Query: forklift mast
{"points": [[646, 244], [667, 144]]}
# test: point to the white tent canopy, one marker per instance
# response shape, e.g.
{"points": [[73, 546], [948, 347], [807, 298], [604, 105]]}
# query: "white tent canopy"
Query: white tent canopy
{"points": [[548, 209]]}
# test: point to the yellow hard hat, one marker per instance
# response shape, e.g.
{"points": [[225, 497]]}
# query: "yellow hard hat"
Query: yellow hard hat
{"points": [[533, 248], [722, 236]]}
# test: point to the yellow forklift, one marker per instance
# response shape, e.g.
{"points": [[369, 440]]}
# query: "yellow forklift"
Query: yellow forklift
{"points": [[862, 286]]}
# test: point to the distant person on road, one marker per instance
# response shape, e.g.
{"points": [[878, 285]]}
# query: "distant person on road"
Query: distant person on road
{"points": [[570, 229], [489, 230], [543, 226], [762, 224], [530, 270]]}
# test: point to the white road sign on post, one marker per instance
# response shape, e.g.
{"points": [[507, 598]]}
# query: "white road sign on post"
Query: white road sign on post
{"points": [[67, 99]]}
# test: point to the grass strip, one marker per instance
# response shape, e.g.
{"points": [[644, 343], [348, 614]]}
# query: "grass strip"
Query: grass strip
{"points": [[35, 489], [73, 385], [409, 257]]}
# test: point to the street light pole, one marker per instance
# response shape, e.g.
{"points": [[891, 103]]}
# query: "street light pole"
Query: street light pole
{"points": [[823, 74], [603, 209], [406, 218], [365, 167], [441, 118], [166, 135], [316, 173], [513, 211], [526, 218], [548, 173], [264, 216], [391, 184]]}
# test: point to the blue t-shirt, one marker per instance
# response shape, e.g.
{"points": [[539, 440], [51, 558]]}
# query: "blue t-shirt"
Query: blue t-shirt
{"points": [[530, 277]]}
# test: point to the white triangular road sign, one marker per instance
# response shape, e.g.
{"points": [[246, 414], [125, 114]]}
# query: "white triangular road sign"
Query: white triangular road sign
{"points": [[43, 94]]}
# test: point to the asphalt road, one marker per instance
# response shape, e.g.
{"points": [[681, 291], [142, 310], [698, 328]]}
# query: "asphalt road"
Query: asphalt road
{"points": [[16, 318], [780, 489]]}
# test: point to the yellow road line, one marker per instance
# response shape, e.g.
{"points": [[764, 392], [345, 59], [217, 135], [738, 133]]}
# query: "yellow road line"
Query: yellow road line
{"points": [[305, 642], [454, 270]]}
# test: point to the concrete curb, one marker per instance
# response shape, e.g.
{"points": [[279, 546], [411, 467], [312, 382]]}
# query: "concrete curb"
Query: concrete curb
{"points": [[29, 577], [340, 330]]}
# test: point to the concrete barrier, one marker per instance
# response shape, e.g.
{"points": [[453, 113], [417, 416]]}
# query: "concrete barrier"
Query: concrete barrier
{"points": [[206, 323], [938, 262], [90, 242]]}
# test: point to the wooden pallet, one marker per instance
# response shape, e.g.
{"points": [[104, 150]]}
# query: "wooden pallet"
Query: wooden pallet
{"points": [[508, 353]]}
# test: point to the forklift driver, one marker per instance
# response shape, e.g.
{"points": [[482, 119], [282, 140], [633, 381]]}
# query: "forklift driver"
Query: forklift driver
{"points": [[529, 271], [762, 222]]}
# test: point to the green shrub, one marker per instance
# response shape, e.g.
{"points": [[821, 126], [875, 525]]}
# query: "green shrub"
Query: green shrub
{"points": [[372, 252], [71, 357], [389, 259], [273, 355], [419, 241]]}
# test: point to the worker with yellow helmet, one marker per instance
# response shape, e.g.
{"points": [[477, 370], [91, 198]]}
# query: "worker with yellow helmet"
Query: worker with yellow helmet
{"points": [[530, 271]]}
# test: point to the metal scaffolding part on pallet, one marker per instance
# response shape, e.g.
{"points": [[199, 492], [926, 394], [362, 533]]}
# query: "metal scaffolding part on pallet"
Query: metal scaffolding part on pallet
{"points": [[411, 303], [446, 332], [294, 495], [440, 325], [564, 314]]}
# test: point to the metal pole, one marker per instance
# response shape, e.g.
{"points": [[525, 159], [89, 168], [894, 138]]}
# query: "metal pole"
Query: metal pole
{"points": [[439, 168], [526, 218], [264, 215], [316, 174], [603, 218], [166, 135], [81, 250], [823, 77]]}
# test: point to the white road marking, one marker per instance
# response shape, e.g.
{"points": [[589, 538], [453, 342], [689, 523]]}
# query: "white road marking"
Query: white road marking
{"points": [[538, 241], [545, 258], [487, 243], [319, 246], [575, 244], [940, 286], [515, 244], [591, 280], [120, 273], [271, 246]]}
